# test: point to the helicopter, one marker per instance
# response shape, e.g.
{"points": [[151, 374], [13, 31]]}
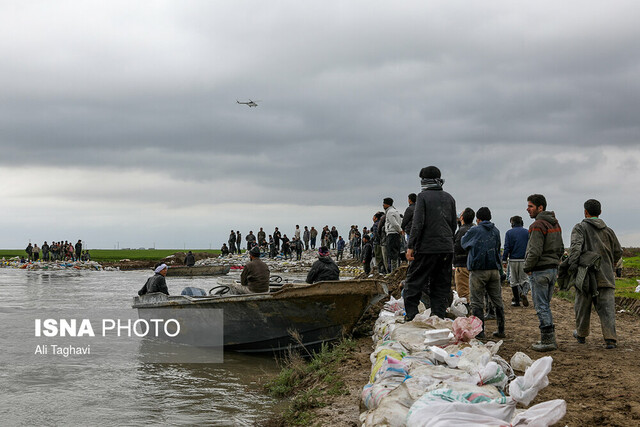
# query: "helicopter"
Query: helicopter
{"points": [[250, 103]]}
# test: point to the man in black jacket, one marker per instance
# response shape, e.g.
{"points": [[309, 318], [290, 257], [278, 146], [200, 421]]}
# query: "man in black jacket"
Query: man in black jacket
{"points": [[324, 268], [190, 260], [407, 219], [430, 246], [157, 282]]}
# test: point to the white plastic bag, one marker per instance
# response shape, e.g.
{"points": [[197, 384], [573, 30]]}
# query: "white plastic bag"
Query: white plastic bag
{"points": [[520, 361], [542, 415], [524, 389]]}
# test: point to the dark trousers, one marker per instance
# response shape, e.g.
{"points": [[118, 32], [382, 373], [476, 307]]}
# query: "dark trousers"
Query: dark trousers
{"points": [[431, 274], [367, 267], [394, 241]]}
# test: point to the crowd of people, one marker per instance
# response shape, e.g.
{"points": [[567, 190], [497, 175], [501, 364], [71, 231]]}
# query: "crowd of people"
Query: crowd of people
{"points": [[440, 244], [56, 251]]}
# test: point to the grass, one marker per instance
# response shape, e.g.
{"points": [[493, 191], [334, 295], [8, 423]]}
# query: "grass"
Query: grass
{"points": [[632, 262], [114, 255], [624, 288], [310, 383]]}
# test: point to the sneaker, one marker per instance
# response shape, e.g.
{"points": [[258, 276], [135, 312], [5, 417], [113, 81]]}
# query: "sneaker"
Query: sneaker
{"points": [[524, 300], [609, 344], [580, 340]]}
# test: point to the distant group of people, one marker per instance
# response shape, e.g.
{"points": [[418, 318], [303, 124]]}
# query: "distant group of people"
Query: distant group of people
{"points": [[535, 259], [56, 251]]}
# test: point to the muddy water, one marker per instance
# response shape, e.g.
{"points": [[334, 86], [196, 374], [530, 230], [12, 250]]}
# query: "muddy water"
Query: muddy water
{"points": [[120, 389]]}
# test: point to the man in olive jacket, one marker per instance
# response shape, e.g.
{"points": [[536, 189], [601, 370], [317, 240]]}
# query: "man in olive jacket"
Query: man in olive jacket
{"points": [[593, 235], [541, 260], [255, 274], [430, 246]]}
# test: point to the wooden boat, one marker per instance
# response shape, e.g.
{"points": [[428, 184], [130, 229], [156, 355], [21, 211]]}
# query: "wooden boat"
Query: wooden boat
{"points": [[205, 270], [296, 315]]}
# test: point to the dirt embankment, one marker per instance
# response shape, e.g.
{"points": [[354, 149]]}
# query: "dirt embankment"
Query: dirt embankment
{"points": [[601, 387], [175, 259]]}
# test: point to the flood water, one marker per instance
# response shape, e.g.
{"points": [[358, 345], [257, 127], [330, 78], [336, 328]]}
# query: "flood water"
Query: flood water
{"points": [[120, 389]]}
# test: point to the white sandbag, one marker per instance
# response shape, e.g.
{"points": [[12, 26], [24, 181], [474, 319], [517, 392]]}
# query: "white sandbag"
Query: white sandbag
{"points": [[541, 415], [524, 389], [494, 375], [433, 405], [520, 361], [474, 359], [392, 410]]}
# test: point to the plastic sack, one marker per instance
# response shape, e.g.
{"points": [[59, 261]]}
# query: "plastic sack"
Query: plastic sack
{"points": [[433, 406], [466, 328], [494, 375], [394, 305], [520, 361], [392, 410], [458, 307], [474, 359], [542, 415], [524, 389], [372, 394], [381, 359]]}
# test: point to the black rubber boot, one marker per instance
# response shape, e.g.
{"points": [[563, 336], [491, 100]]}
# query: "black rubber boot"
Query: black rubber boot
{"points": [[547, 340], [516, 296], [500, 319]]}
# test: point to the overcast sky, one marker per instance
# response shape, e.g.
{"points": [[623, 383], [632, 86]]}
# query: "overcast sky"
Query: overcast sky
{"points": [[119, 122]]}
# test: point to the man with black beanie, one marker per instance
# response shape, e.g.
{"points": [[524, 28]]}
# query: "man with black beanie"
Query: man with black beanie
{"points": [[430, 246]]}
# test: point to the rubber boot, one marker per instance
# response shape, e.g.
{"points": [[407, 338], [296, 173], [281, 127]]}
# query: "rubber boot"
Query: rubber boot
{"points": [[547, 340], [479, 313], [500, 319], [516, 296]]}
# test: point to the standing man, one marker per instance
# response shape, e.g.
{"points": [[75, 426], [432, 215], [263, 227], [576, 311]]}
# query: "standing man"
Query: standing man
{"points": [[334, 236], [78, 249], [377, 249], [238, 241], [314, 235], [29, 251], [296, 233], [276, 239], [460, 255], [190, 259], [483, 263], [262, 237], [393, 229], [305, 237], [590, 239], [45, 251], [232, 242], [367, 254], [340, 246], [430, 246], [407, 219], [544, 250], [251, 240], [515, 247]]}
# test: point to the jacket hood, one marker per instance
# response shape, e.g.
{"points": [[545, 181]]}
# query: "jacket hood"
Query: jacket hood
{"points": [[595, 222], [487, 224], [549, 216]]}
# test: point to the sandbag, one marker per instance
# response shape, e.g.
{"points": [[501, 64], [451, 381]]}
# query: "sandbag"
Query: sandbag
{"points": [[524, 389]]}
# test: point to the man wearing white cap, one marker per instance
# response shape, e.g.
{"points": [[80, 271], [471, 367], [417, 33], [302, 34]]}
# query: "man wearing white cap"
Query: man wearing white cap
{"points": [[157, 282]]}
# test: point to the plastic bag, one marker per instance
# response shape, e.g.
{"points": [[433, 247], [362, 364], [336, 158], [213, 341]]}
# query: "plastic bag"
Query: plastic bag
{"points": [[466, 328], [494, 375], [394, 305], [524, 389], [392, 410], [542, 415], [520, 361]]}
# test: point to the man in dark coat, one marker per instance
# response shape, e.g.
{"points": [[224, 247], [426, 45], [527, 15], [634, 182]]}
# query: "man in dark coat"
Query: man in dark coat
{"points": [[78, 249], [460, 255], [593, 236], [232, 242], [324, 268], [157, 282], [407, 219], [431, 246], [255, 274], [367, 254], [190, 260]]}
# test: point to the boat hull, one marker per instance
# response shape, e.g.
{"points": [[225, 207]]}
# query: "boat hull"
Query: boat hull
{"points": [[292, 317]]}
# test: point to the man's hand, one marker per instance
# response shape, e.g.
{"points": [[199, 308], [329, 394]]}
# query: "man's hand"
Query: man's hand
{"points": [[409, 254]]}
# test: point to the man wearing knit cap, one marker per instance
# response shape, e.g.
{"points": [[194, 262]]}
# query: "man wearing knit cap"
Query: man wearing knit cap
{"points": [[255, 274], [157, 282], [430, 246], [324, 268]]}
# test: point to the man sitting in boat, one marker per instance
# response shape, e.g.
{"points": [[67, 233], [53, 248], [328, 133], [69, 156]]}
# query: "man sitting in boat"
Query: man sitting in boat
{"points": [[156, 283], [255, 275], [190, 260], [324, 268]]}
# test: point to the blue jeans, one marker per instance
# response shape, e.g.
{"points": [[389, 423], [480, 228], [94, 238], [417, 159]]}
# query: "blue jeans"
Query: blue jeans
{"points": [[542, 283]]}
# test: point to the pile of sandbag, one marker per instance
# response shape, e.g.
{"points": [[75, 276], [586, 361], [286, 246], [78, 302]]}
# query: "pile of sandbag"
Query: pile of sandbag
{"points": [[433, 372], [51, 265]]}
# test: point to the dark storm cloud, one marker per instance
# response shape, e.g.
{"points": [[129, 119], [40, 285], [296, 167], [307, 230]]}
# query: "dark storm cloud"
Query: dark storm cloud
{"points": [[356, 97]]}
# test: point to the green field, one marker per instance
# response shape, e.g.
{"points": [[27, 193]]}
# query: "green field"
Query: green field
{"points": [[114, 255]]}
